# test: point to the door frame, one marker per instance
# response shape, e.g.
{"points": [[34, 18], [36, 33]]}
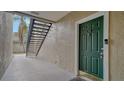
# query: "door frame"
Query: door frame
{"points": [[105, 14]]}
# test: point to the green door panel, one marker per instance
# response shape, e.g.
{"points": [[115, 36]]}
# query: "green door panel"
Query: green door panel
{"points": [[91, 47]]}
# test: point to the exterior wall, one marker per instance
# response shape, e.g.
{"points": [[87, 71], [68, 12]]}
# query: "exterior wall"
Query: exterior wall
{"points": [[117, 45], [5, 41], [59, 47]]}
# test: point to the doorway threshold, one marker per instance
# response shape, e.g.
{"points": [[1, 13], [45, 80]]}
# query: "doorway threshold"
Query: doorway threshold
{"points": [[88, 77]]}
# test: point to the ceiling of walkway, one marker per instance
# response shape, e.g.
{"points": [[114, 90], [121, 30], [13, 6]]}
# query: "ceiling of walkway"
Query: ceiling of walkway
{"points": [[50, 15]]}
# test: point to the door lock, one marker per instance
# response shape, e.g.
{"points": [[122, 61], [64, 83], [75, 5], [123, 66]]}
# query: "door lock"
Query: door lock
{"points": [[101, 54]]}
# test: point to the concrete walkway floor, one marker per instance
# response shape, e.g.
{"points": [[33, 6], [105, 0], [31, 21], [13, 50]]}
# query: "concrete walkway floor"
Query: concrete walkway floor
{"points": [[31, 69]]}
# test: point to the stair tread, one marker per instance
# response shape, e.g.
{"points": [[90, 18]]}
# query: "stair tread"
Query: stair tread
{"points": [[38, 32]]}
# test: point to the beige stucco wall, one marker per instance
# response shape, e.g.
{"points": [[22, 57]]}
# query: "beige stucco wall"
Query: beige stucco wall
{"points": [[117, 45], [5, 41], [59, 46]]}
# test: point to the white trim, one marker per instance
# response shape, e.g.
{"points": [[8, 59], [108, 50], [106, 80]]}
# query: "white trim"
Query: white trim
{"points": [[106, 47]]}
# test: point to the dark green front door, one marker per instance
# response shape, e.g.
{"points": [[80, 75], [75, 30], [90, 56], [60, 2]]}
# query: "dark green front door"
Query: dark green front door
{"points": [[91, 47]]}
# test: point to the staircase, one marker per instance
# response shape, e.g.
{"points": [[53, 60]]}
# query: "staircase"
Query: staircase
{"points": [[38, 31]]}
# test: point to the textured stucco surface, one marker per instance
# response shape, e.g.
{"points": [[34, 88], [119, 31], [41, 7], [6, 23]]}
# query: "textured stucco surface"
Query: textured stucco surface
{"points": [[117, 45], [5, 41]]}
